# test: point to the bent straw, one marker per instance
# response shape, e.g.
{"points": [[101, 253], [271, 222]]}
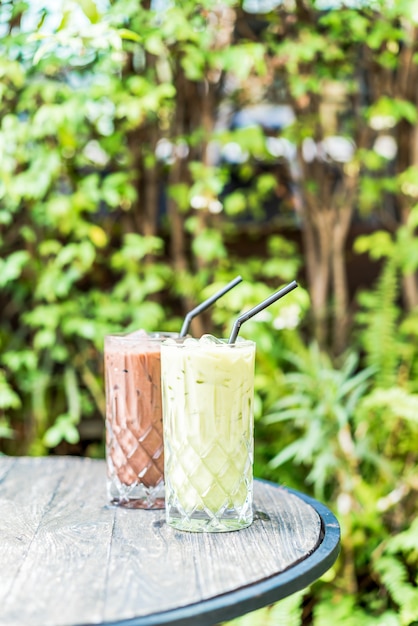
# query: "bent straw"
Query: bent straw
{"points": [[263, 305], [206, 304]]}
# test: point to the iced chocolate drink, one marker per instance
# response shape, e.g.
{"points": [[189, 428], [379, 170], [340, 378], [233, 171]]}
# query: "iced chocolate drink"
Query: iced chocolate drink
{"points": [[134, 432]]}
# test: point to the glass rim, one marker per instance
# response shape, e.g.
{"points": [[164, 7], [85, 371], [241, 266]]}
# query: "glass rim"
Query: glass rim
{"points": [[180, 343], [154, 336]]}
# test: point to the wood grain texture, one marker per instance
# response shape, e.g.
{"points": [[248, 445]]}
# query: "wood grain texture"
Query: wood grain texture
{"points": [[67, 558]]}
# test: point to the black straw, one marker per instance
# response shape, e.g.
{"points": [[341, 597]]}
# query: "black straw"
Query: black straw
{"points": [[263, 305], [206, 304]]}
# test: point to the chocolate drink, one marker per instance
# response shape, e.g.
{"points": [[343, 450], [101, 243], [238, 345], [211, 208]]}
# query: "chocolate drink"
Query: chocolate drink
{"points": [[134, 437]]}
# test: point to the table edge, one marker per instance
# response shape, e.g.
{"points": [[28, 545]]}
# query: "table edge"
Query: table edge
{"points": [[254, 596]]}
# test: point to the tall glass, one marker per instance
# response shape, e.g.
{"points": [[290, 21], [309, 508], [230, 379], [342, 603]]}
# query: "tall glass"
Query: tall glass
{"points": [[208, 391], [134, 431]]}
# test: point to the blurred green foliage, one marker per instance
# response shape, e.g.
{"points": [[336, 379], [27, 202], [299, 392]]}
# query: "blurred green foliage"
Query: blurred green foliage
{"points": [[114, 217]]}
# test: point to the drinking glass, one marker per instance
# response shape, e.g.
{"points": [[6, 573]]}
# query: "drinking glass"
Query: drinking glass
{"points": [[207, 392], [134, 431]]}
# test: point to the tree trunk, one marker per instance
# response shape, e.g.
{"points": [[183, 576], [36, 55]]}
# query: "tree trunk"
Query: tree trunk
{"points": [[405, 87], [316, 236], [340, 286], [341, 226]]}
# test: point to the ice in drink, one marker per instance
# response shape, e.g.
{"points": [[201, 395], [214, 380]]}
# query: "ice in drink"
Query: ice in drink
{"points": [[134, 431], [208, 391]]}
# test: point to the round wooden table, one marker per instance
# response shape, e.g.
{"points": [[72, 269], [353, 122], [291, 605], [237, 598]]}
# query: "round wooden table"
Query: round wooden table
{"points": [[67, 558]]}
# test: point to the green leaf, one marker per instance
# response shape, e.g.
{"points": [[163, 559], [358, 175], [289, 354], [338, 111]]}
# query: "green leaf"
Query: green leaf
{"points": [[208, 245], [154, 44], [379, 244], [407, 181], [45, 338], [17, 360], [75, 326], [8, 398], [393, 110], [290, 400], [397, 401], [43, 50], [193, 62], [12, 266], [288, 453], [405, 542], [63, 429], [242, 59], [355, 381], [281, 416], [235, 203], [129, 35], [5, 431], [134, 248], [90, 10], [180, 194]]}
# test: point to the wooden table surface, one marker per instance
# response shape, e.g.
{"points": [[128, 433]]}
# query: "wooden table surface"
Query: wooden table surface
{"points": [[69, 559]]}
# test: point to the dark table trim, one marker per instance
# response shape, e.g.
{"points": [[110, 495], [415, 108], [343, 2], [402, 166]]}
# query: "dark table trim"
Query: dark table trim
{"points": [[236, 603]]}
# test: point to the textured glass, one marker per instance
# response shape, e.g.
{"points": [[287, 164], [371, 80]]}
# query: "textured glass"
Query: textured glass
{"points": [[208, 391], [134, 432]]}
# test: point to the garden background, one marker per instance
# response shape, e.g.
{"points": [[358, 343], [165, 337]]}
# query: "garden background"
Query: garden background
{"points": [[151, 152]]}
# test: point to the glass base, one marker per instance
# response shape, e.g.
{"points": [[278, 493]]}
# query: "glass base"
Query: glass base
{"points": [[202, 522], [136, 496], [158, 503]]}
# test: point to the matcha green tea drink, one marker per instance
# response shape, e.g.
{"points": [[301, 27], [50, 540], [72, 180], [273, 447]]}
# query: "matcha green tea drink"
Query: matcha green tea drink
{"points": [[207, 393]]}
